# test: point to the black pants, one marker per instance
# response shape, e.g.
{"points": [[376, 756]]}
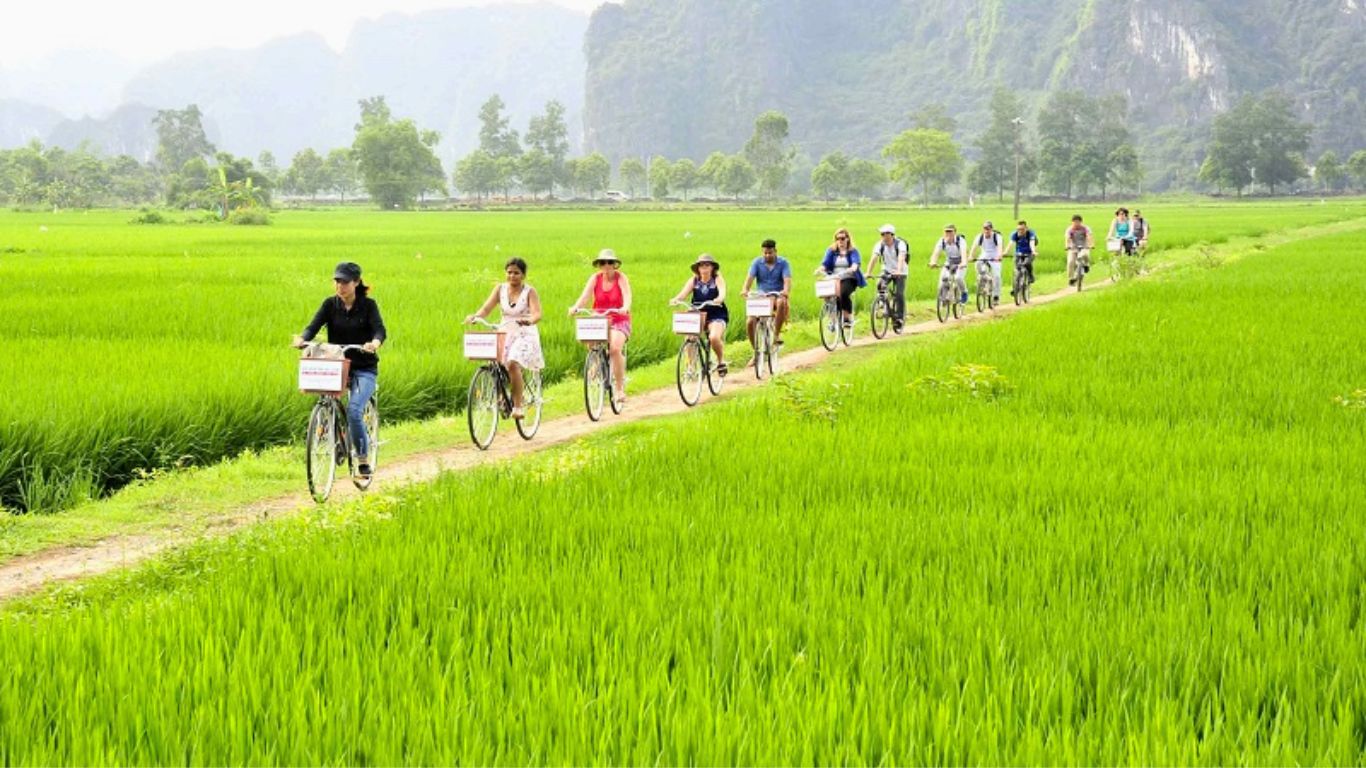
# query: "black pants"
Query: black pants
{"points": [[846, 299], [1027, 264]]}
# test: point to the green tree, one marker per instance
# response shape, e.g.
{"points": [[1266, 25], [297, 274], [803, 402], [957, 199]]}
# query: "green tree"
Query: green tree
{"points": [[768, 152], [307, 174], [1228, 158], [1328, 172], [477, 174], [267, 165], [549, 134], [593, 173], [683, 176], [1356, 165], [830, 177], [341, 174], [180, 137], [924, 156], [1280, 141], [865, 178], [1106, 155], [934, 117], [537, 172], [661, 173], [396, 161], [998, 145], [632, 174], [709, 173], [495, 135], [1064, 128], [736, 176]]}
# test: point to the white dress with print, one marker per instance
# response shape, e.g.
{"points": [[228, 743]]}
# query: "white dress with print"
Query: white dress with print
{"points": [[523, 341]]}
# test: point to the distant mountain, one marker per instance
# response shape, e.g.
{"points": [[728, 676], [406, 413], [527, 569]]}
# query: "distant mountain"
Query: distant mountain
{"points": [[22, 122], [126, 131], [71, 82], [685, 77], [436, 67]]}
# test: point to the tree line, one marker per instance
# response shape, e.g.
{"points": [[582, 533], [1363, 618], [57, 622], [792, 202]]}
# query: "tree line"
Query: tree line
{"points": [[1075, 146]]}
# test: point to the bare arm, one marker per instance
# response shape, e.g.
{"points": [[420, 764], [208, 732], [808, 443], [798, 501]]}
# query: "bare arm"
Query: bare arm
{"points": [[533, 305], [720, 290], [687, 289], [625, 292], [583, 297], [487, 307]]}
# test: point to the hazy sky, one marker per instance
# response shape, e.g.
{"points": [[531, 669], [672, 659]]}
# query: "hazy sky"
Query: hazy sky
{"points": [[145, 30]]}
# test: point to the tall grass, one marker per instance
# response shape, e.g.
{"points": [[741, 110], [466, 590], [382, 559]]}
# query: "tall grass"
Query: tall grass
{"points": [[1134, 541], [145, 347]]}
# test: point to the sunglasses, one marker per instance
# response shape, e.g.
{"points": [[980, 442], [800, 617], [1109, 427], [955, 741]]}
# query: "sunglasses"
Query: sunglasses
{"points": [[841, 237]]}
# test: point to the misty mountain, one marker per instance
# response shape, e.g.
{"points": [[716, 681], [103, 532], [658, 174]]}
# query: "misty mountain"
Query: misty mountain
{"points": [[126, 131], [74, 83], [22, 122], [685, 77]]}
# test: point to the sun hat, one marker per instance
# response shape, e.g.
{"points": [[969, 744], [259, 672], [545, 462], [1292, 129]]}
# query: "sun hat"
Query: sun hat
{"points": [[605, 255], [348, 271], [887, 229], [706, 259]]}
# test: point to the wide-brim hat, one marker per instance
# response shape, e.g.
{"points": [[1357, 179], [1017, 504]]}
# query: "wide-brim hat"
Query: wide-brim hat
{"points": [[606, 255], [706, 259]]}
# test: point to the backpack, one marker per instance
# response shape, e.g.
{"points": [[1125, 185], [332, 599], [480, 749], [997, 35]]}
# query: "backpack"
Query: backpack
{"points": [[995, 238]]}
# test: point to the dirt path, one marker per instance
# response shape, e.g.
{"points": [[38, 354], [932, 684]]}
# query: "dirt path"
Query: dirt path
{"points": [[32, 572]]}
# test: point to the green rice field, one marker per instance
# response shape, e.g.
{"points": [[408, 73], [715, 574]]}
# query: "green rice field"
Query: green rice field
{"points": [[1124, 528], [140, 348]]}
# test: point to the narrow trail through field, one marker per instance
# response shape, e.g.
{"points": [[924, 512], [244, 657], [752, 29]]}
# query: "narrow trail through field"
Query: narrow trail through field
{"points": [[32, 572]]}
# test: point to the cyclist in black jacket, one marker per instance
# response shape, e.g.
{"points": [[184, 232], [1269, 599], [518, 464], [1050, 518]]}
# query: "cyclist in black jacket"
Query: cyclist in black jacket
{"points": [[352, 317]]}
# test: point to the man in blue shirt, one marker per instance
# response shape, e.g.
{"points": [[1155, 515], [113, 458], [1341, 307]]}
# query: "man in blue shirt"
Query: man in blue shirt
{"points": [[1026, 248], [770, 273]]}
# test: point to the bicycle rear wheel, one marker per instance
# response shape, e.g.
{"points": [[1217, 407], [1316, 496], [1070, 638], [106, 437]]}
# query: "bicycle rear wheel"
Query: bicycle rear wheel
{"points": [[762, 349], [846, 329], [830, 332], [880, 317], [772, 348], [1021, 284], [715, 381], [320, 456], [617, 405], [689, 372], [594, 385], [370, 416], [531, 404], [941, 305], [481, 408]]}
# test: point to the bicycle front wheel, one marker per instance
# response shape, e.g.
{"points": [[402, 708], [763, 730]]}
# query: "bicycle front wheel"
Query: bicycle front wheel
{"points": [[689, 372], [830, 330], [941, 305], [481, 409], [531, 404], [594, 385], [370, 416], [881, 317], [321, 452], [772, 348]]}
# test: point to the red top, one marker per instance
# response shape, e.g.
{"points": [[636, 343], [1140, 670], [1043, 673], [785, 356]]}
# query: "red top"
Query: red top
{"points": [[610, 297]]}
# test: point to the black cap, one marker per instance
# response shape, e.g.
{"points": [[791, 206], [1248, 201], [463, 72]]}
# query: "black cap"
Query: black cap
{"points": [[348, 271]]}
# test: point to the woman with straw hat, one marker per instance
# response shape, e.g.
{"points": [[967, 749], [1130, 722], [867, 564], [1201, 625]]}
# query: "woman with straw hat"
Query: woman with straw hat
{"points": [[706, 286], [610, 293]]}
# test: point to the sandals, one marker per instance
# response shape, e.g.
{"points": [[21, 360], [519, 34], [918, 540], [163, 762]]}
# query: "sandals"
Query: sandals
{"points": [[722, 369]]}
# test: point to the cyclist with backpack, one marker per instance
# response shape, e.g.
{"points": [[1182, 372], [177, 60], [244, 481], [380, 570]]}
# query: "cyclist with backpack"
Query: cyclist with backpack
{"points": [[1141, 231], [955, 249], [1078, 241], [895, 255], [986, 247], [1026, 244]]}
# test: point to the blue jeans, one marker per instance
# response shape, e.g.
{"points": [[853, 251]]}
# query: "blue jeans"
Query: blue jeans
{"points": [[363, 384]]}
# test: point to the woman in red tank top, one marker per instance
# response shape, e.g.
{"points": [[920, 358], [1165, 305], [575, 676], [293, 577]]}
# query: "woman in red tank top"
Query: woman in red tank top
{"points": [[609, 290]]}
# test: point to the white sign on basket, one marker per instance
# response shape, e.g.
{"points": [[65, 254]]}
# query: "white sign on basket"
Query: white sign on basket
{"points": [[1112, 245], [591, 328], [759, 306], [826, 289], [317, 375], [688, 323], [483, 346]]}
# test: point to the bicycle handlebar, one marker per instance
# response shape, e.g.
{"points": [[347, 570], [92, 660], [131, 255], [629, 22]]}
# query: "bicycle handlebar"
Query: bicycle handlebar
{"points": [[595, 313]]}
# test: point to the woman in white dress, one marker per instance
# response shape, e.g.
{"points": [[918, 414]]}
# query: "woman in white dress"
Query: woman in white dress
{"points": [[521, 310]]}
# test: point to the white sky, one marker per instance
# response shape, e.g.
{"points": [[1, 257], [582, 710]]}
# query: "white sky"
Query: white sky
{"points": [[146, 30]]}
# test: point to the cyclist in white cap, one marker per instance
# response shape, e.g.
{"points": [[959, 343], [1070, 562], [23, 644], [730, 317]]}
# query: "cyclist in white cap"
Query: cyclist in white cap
{"points": [[986, 248], [895, 255]]}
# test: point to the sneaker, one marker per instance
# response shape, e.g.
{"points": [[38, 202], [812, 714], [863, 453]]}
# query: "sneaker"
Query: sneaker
{"points": [[778, 343], [721, 369], [1031, 279], [1086, 270], [518, 413], [1012, 293], [363, 470], [1073, 281], [964, 299]]}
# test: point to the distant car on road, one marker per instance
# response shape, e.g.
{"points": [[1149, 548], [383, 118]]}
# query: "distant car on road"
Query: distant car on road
{"points": [[616, 196]]}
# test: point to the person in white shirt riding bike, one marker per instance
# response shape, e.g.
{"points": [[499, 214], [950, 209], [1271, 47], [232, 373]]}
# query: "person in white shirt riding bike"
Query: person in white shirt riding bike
{"points": [[986, 250], [895, 255]]}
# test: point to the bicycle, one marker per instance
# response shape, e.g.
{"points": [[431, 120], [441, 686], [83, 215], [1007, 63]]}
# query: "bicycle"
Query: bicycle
{"points": [[834, 329], [987, 290], [882, 315], [1021, 282], [762, 307], [490, 392], [595, 332], [1125, 260], [947, 301], [328, 443], [1080, 259], [694, 355]]}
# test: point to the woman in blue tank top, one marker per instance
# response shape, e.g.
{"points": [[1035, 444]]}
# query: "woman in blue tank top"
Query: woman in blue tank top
{"points": [[705, 285]]}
